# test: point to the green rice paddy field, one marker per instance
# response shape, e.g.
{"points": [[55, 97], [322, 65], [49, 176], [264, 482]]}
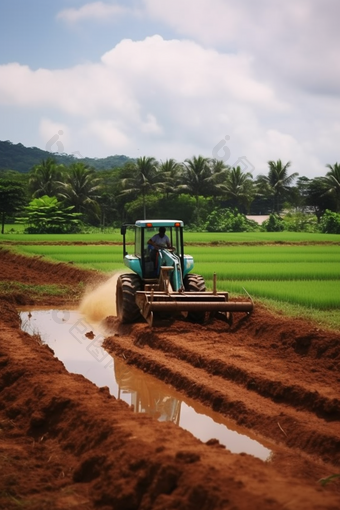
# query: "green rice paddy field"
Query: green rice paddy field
{"points": [[298, 277], [14, 234], [298, 273]]}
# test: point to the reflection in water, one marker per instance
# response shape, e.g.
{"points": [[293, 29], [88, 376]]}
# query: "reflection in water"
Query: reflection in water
{"points": [[149, 395], [77, 343], [146, 397]]}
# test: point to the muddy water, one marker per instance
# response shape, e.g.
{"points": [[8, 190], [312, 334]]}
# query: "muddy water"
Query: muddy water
{"points": [[77, 343]]}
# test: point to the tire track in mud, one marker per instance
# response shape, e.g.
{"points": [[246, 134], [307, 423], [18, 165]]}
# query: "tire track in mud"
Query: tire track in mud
{"points": [[290, 415], [273, 388]]}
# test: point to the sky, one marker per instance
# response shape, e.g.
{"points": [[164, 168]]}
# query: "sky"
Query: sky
{"points": [[242, 81]]}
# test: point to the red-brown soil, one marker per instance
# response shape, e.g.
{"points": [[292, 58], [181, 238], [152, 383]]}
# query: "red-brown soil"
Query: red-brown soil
{"points": [[64, 443]]}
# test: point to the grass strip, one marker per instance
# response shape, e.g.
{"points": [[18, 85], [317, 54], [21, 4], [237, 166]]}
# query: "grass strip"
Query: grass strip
{"points": [[13, 287], [326, 319]]}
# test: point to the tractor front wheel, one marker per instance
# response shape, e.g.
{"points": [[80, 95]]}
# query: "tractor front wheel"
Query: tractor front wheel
{"points": [[127, 286], [195, 283]]}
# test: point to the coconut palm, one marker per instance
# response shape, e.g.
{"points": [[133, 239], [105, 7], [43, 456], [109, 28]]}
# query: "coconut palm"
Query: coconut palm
{"points": [[144, 179], [81, 189], [332, 183], [45, 178], [169, 176], [197, 179], [12, 198], [239, 188], [317, 198], [277, 183], [219, 173]]}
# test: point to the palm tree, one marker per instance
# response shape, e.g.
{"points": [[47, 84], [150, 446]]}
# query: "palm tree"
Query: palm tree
{"points": [[108, 207], [219, 167], [169, 173], [219, 171], [197, 179], [45, 178], [12, 198], [317, 197], [144, 180], [277, 183], [332, 182], [81, 189], [239, 188]]}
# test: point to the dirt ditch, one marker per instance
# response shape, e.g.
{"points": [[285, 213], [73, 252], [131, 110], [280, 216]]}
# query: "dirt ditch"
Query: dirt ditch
{"points": [[64, 443]]}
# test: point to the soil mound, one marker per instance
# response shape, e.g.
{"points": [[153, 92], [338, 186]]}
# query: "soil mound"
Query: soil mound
{"points": [[64, 443]]}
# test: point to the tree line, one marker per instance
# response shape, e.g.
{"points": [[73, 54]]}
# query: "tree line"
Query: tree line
{"points": [[205, 193]]}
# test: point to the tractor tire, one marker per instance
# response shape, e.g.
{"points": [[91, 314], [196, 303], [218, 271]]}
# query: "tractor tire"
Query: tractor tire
{"points": [[127, 286], [195, 283]]}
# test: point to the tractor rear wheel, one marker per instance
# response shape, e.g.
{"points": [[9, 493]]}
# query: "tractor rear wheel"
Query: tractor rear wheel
{"points": [[127, 286], [195, 283]]}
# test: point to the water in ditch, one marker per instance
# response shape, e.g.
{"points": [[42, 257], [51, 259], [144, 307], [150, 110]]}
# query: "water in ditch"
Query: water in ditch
{"points": [[78, 345]]}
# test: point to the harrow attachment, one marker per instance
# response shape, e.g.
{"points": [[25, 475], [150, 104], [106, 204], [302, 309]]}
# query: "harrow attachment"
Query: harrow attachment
{"points": [[160, 298]]}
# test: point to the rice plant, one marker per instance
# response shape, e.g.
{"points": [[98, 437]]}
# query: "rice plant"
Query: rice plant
{"points": [[265, 254], [307, 275], [314, 294], [211, 238], [270, 271]]}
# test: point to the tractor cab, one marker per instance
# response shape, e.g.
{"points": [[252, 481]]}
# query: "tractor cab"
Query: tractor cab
{"points": [[146, 260]]}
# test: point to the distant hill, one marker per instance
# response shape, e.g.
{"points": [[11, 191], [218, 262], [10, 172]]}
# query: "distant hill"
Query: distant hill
{"points": [[22, 159]]}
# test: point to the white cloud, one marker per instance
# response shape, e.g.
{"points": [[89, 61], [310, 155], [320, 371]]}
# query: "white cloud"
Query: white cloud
{"points": [[93, 11], [151, 126], [274, 145], [208, 21], [175, 98], [54, 134], [107, 132], [295, 42]]}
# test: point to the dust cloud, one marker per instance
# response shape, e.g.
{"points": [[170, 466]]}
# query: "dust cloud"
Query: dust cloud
{"points": [[100, 302]]}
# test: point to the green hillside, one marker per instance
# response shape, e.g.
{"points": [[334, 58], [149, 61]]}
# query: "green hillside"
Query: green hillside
{"points": [[22, 159]]}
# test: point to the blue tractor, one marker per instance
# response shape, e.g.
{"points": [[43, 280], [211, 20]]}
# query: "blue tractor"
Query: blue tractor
{"points": [[160, 280]]}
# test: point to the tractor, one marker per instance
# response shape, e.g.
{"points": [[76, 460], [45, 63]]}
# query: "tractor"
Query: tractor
{"points": [[160, 281]]}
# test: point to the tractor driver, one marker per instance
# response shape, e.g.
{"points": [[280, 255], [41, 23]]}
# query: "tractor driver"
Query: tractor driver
{"points": [[157, 242], [160, 240]]}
